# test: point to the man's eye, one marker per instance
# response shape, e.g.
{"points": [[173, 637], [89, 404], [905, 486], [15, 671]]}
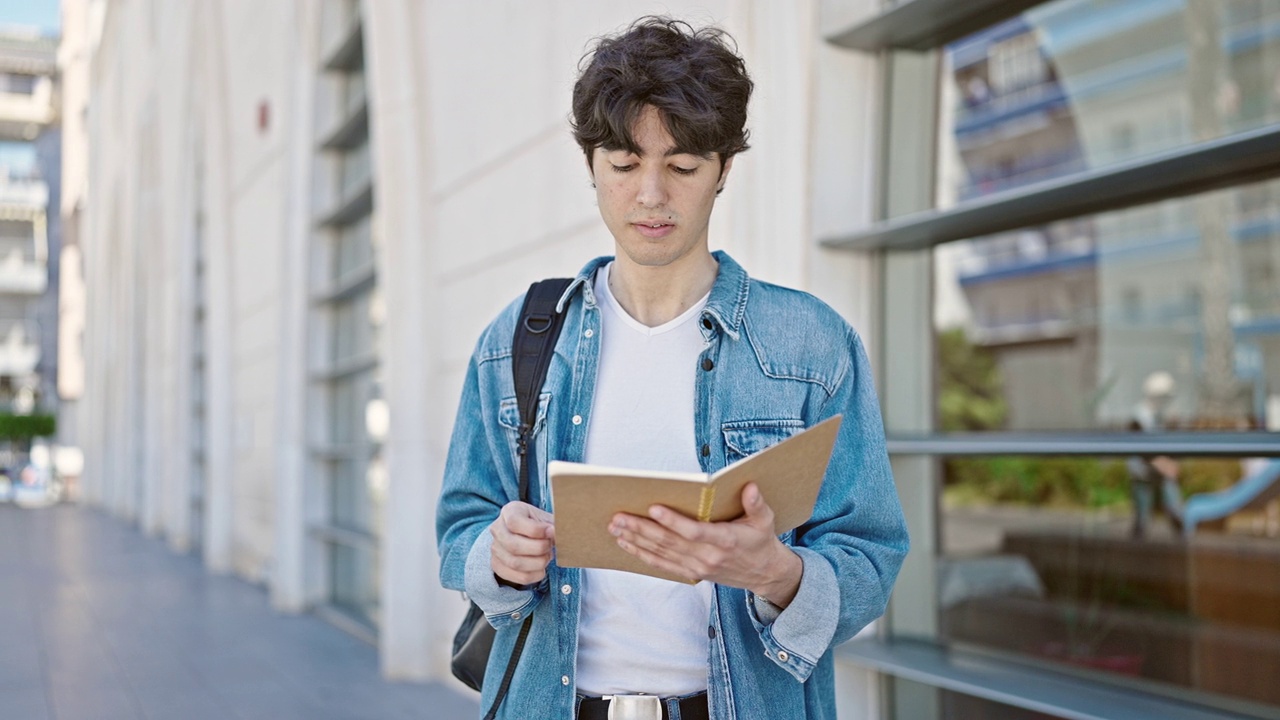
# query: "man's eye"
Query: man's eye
{"points": [[621, 168], [684, 170]]}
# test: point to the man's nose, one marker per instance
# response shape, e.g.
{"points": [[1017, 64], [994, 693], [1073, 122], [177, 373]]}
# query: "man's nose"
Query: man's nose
{"points": [[653, 189]]}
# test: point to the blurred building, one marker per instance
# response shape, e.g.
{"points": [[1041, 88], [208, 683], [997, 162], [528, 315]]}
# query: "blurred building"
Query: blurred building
{"points": [[30, 166], [288, 222]]}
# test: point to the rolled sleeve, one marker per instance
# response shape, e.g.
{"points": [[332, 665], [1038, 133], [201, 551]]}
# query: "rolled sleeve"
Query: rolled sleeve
{"points": [[796, 637], [501, 605]]}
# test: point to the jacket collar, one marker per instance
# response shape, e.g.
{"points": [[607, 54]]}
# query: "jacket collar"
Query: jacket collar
{"points": [[725, 307]]}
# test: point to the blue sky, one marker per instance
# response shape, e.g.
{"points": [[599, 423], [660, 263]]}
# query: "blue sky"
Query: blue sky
{"points": [[42, 14]]}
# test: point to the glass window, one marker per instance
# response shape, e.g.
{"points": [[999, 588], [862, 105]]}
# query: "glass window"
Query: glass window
{"points": [[958, 706], [1070, 86], [354, 249], [353, 575], [1148, 570], [352, 328], [355, 170], [348, 313], [1154, 318]]}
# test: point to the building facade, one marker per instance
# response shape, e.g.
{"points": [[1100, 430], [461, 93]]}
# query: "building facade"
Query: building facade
{"points": [[293, 219], [30, 166]]}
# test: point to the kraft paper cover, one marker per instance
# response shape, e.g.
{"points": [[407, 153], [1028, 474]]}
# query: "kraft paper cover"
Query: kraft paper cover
{"points": [[585, 497]]}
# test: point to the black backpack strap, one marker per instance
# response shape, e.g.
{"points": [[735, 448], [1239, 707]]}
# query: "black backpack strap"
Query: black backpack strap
{"points": [[531, 349], [532, 346]]}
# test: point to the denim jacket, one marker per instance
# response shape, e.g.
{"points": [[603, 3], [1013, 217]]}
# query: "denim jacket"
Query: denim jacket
{"points": [[781, 361]]}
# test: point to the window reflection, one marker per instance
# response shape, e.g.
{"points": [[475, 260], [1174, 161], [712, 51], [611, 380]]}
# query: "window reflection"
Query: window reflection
{"points": [[1076, 317], [1070, 85], [1039, 558]]}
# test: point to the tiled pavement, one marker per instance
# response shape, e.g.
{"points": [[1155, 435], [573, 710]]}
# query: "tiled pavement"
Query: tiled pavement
{"points": [[98, 622]]}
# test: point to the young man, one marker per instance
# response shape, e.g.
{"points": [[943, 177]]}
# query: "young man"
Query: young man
{"points": [[671, 358]]}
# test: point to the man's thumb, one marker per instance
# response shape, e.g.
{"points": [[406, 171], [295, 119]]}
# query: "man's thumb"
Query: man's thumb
{"points": [[753, 502]]}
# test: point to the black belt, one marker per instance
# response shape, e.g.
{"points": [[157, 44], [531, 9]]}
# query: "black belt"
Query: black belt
{"points": [[693, 707]]}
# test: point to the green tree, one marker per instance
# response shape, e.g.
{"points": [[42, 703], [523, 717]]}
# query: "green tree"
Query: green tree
{"points": [[970, 393]]}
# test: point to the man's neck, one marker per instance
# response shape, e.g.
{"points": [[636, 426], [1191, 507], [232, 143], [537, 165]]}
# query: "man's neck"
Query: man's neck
{"points": [[655, 296]]}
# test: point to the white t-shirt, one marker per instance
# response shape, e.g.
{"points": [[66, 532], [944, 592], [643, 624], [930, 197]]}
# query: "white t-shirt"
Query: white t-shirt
{"points": [[637, 633]]}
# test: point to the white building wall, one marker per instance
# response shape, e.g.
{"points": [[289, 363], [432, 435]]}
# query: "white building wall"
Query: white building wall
{"points": [[479, 190]]}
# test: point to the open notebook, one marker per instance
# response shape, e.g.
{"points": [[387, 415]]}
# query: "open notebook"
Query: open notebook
{"points": [[586, 497]]}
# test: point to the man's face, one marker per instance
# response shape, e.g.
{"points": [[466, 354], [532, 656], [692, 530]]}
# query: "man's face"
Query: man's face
{"points": [[657, 204]]}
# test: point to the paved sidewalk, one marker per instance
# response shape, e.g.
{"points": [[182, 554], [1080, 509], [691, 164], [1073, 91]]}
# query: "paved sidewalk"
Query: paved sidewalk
{"points": [[98, 622]]}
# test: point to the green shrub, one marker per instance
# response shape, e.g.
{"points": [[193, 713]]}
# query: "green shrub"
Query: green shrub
{"points": [[25, 427], [1054, 481]]}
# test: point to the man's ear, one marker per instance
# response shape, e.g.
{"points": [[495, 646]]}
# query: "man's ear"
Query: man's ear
{"points": [[724, 175]]}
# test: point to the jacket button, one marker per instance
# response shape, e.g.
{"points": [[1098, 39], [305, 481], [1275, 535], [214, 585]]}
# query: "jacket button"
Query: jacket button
{"points": [[564, 679], [711, 631], [515, 616], [577, 419], [566, 589], [783, 656], [707, 364], [706, 451]]}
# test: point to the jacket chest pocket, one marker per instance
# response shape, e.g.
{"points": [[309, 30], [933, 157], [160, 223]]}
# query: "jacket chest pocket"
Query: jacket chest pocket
{"points": [[509, 419], [744, 438], [748, 437]]}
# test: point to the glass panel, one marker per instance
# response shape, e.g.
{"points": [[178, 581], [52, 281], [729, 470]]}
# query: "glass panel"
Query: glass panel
{"points": [[357, 493], [346, 398], [957, 706], [348, 499], [1072, 85], [352, 328], [354, 250], [353, 92], [1145, 568], [1158, 317], [375, 484], [355, 171], [336, 17], [354, 581]]}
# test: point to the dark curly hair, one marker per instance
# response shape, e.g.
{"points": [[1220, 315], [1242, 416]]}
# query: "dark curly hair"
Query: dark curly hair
{"points": [[694, 78]]}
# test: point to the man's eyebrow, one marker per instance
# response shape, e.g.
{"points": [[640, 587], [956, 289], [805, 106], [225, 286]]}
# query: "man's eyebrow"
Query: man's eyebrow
{"points": [[671, 151]]}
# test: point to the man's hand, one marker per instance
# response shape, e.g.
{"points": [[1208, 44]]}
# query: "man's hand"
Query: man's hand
{"points": [[743, 553], [523, 537]]}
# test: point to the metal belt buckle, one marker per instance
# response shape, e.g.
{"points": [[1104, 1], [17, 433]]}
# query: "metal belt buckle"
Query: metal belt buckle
{"points": [[634, 707]]}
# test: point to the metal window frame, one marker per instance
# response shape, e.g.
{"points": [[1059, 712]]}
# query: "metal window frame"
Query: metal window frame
{"points": [[1227, 162], [1011, 683], [926, 24], [1092, 444]]}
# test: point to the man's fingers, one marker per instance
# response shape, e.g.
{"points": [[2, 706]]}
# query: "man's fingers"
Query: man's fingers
{"points": [[685, 527], [521, 545], [653, 538], [523, 563], [651, 558], [650, 532], [527, 520]]}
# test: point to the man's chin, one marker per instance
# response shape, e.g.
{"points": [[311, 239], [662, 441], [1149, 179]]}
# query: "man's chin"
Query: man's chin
{"points": [[656, 255]]}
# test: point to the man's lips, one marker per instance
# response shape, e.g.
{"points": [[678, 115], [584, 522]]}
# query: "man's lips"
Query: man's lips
{"points": [[653, 228]]}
